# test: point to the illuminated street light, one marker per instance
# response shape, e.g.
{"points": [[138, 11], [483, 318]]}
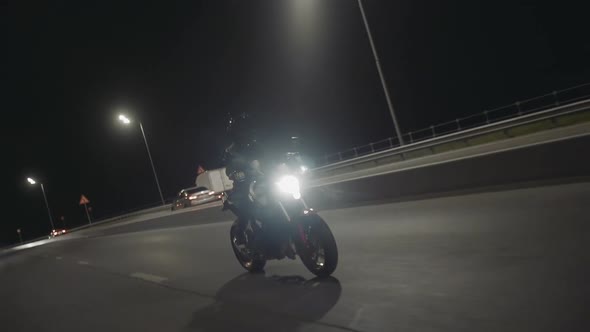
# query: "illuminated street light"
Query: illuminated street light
{"points": [[125, 120], [32, 182]]}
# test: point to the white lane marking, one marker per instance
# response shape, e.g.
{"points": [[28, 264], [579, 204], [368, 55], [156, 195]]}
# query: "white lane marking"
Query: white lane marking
{"points": [[148, 277], [83, 263], [357, 316], [58, 257]]}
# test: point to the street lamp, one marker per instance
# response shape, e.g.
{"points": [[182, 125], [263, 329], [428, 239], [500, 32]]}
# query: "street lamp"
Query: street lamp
{"points": [[32, 182], [125, 120], [381, 76]]}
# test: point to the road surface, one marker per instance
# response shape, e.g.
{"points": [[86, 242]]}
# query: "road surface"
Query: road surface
{"points": [[515, 260]]}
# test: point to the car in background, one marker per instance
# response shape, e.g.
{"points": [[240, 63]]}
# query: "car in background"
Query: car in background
{"points": [[194, 196], [57, 232]]}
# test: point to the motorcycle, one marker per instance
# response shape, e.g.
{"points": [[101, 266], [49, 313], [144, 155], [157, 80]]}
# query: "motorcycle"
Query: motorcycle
{"points": [[281, 224]]}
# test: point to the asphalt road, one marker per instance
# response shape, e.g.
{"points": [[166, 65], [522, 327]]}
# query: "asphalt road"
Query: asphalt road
{"points": [[515, 260]]}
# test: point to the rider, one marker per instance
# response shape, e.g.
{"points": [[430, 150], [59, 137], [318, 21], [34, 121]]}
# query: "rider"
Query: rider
{"points": [[243, 159]]}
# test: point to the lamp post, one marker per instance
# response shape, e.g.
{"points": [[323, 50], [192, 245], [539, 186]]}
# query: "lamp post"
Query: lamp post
{"points": [[381, 76], [31, 181], [126, 121]]}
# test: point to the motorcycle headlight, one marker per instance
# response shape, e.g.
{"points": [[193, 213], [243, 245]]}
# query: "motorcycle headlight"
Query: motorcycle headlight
{"points": [[289, 185]]}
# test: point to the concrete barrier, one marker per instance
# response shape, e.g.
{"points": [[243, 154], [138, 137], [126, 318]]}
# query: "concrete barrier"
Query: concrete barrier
{"points": [[97, 223], [124, 216], [564, 160]]}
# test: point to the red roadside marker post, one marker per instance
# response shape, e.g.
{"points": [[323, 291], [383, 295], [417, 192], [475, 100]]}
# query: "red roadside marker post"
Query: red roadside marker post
{"points": [[84, 201]]}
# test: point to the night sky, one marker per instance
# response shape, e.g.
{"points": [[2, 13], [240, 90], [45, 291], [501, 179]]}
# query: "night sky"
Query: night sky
{"points": [[302, 67]]}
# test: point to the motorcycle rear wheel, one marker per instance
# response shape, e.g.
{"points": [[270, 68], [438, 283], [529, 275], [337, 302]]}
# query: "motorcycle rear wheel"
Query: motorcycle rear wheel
{"points": [[239, 245]]}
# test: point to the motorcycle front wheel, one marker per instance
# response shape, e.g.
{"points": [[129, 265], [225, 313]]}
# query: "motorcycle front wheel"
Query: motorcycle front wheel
{"points": [[239, 244], [316, 245]]}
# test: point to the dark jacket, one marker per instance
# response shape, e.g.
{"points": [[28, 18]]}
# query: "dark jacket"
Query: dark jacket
{"points": [[243, 161]]}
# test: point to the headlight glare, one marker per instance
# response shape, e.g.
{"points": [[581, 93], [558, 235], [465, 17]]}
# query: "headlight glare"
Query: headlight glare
{"points": [[289, 185]]}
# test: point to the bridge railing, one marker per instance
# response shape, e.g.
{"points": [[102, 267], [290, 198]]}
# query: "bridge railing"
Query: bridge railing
{"points": [[514, 110]]}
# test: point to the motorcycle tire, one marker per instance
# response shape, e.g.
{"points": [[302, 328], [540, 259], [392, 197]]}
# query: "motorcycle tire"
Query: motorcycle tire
{"points": [[318, 237], [248, 263]]}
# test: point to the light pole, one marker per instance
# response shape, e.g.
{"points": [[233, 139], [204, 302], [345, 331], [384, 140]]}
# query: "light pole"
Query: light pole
{"points": [[125, 120], [383, 83], [20, 237], [31, 181]]}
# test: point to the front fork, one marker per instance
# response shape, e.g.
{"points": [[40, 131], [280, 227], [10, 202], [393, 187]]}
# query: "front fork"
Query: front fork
{"points": [[306, 211]]}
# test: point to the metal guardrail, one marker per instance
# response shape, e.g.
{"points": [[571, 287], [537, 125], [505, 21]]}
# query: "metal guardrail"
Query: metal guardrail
{"points": [[428, 146], [513, 111]]}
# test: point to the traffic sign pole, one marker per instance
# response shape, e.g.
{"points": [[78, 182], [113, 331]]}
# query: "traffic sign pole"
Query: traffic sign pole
{"points": [[84, 201], [87, 215]]}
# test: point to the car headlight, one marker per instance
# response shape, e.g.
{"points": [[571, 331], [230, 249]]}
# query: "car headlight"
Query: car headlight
{"points": [[289, 185]]}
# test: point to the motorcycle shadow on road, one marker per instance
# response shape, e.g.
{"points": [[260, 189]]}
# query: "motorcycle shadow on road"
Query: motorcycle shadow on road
{"points": [[256, 302]]}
